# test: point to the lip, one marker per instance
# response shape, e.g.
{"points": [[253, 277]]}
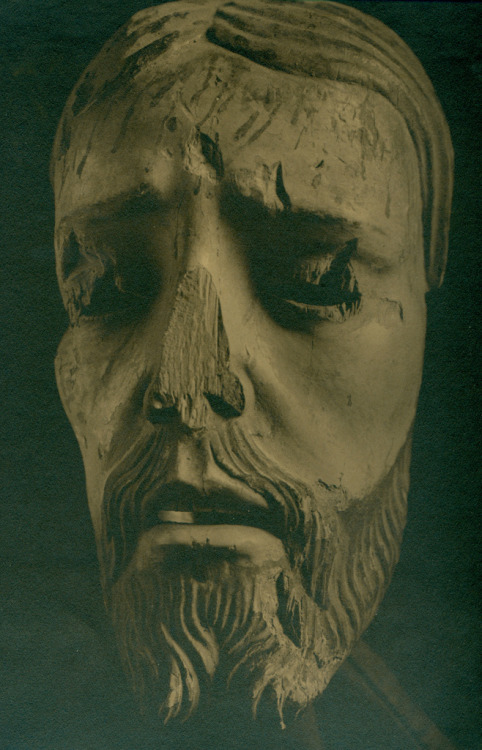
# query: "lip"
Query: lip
{"points": [[181, 504], [226, 517], [250, 545]]}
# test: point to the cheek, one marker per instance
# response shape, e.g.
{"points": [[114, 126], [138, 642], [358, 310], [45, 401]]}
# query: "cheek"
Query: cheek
{"points": [[96, 381], [72, 386], [342, 403], [376, 391]]}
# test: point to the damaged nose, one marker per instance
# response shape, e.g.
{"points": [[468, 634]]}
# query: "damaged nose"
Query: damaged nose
{"points": [[194, 375]]}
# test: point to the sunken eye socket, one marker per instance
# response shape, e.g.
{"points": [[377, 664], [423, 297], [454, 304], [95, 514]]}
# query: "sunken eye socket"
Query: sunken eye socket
{"points": [[97, 285], [300, 263], [331, 294], [299, 277], [322, 288]]}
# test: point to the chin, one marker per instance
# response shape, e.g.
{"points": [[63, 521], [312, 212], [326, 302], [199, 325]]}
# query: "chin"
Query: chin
{"points": [[191, 616]]}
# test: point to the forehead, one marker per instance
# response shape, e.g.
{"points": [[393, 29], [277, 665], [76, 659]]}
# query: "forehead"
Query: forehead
{"points": [[342, 150]]}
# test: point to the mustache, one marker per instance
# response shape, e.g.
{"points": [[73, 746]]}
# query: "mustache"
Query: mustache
{"points": [[138, 487]]}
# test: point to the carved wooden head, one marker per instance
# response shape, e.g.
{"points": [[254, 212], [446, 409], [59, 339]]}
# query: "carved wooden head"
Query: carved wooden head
{"points": [[252, 202]]}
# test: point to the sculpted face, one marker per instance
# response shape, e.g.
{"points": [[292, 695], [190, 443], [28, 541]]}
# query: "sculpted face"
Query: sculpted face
{"points": [[241, 258]]}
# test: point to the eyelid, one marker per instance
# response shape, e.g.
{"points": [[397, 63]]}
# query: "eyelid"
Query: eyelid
{"points": [[316, 289], [326, 259], [376, 261], [330, 313], [102, 289], [314, 267], [357, 248]]}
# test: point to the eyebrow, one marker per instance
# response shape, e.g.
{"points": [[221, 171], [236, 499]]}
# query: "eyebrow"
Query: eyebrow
{"points": [[141, 201], [323, 231], [235, 204], [146, 200]]}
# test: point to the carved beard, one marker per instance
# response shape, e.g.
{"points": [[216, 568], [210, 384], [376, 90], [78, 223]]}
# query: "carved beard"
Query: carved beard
{"points": [[197, 613]]}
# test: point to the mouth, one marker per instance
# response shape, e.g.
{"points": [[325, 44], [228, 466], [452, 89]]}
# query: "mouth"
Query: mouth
{"points": [[229, 523], [180, 504], [224, 521], [254, 518]]}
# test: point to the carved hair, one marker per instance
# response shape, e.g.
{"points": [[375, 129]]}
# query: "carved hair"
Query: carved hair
{"points": [[324, 40], [337, 42]]}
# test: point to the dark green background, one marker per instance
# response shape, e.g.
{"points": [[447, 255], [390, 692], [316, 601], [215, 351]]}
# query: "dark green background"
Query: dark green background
{"points": [[59, 685]]}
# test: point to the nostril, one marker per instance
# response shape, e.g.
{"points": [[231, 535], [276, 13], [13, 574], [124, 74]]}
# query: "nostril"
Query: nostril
{"points": [[159, 414], [162, 408], [222, 407]]}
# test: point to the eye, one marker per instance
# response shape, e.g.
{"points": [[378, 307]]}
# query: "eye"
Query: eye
{"points": [[299, 262], [314, 288], [102, 288]]}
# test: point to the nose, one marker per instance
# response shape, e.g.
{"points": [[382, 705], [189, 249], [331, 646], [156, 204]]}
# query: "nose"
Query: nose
{"points": [[194, 377]]}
